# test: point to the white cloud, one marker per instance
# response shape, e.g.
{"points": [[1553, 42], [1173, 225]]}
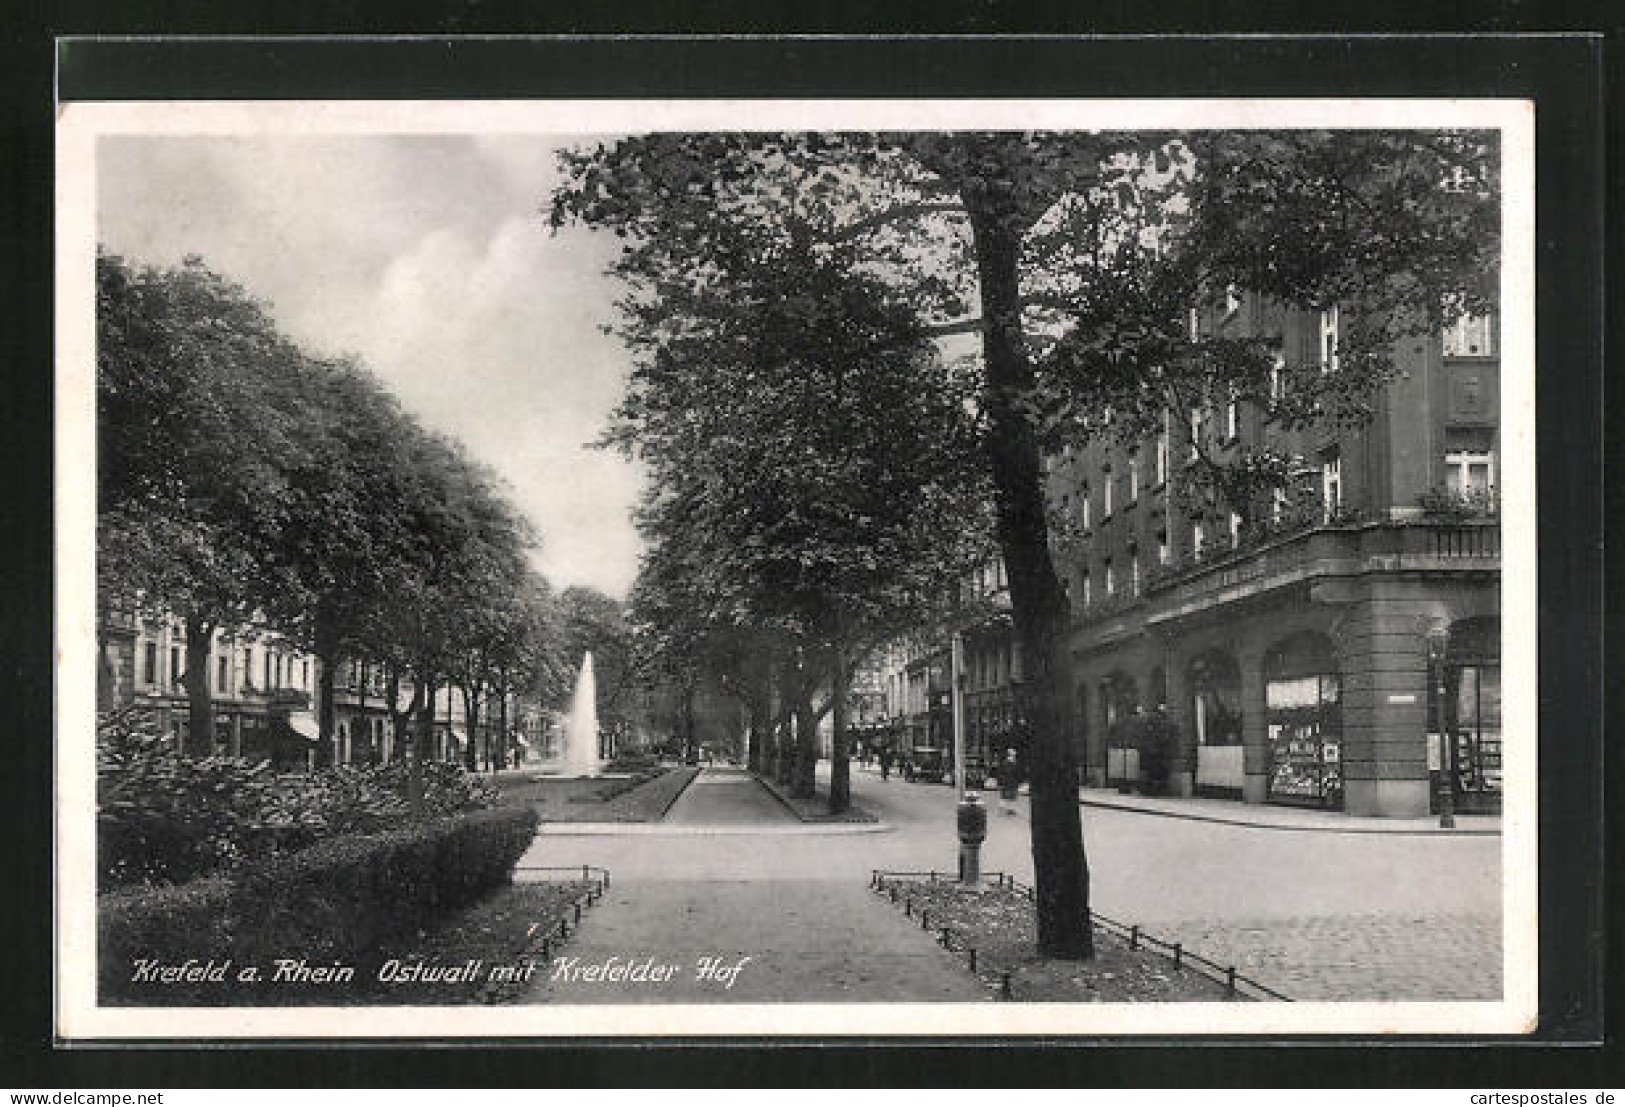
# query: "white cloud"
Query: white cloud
{"points": [[429, 259]]}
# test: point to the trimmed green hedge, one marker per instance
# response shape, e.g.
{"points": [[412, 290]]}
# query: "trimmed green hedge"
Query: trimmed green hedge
{"points": [[336, 901]]}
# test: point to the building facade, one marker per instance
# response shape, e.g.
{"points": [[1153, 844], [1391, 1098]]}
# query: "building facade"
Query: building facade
{"points": [[1317, 654]]}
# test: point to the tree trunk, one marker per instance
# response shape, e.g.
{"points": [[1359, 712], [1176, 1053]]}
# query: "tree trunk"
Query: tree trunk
{"points": [[199, 703], [840, 759], [1038, 602], [685, 720], [804, 771], [327, 664], [471, 720], [501, 759]]}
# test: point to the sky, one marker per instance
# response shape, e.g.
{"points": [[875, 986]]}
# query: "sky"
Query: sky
{"points": [[429, 259]]}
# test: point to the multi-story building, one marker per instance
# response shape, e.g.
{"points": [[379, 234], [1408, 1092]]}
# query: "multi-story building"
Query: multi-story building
{"points": [[1314, 653], [265, 697]]}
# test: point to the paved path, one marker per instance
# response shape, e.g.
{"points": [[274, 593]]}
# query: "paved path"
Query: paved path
{"points": [[732, 919], [727, 797], [1315, 914]]}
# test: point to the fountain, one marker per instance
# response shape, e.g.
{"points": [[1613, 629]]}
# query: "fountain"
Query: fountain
{"points": [[581, 729]]}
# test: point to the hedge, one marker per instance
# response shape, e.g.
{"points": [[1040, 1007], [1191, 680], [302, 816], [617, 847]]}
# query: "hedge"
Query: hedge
{"points": [[337, 901]]}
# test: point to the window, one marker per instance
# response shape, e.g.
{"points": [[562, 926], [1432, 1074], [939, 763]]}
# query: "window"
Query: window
{"points": [[1469, 471], [1134, 573], [1331, 484], [1235, 529], [305, 679], [175, 666], [1133, 479], [149, 664], [268, 684], [278, 671], [1277, 504], [223, 679], [1162, 547], [1328, 340], [1277, 382], [1198, 538], [1162, 452], [1106, 503], [1232, 419], [1196, 430], [1195, 324], [1085, 590], [1084, 507], [1471, 336], [1111, 579]]}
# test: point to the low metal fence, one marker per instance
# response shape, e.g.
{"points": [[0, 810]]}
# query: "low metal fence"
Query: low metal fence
{"points": [[593, 875], [885, 882]]}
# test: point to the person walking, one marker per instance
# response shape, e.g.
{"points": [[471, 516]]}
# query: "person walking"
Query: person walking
{"points": [[885, 762], [1009, 782]]}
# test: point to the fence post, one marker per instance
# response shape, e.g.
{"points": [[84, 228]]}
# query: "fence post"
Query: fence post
{"points": [[1177, 953], [1004, 985], [1230, 978], [972, 951], [1134, 936]]}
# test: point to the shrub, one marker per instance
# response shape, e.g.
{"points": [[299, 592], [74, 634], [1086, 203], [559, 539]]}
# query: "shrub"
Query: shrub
{"points": [[162, 817], [340, 900], [167, 924], [349, 895]]}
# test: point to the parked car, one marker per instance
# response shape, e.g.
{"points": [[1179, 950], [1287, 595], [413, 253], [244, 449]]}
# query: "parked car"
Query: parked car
{"points": [[926, 763]]}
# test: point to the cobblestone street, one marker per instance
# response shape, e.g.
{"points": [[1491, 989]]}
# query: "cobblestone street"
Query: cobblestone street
{"points": [[1318, 914]]}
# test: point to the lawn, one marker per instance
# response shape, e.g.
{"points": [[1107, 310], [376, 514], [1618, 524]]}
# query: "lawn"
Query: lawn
{"points": [[999, 922], [641, 798], [815, 808]]}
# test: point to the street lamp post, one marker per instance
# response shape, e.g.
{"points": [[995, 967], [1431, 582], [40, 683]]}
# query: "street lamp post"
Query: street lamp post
{"points": [[1438, 642], [970, 816]]}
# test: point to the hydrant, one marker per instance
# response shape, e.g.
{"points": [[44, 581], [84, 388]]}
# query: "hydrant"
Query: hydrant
{"points": [[972, 832]]}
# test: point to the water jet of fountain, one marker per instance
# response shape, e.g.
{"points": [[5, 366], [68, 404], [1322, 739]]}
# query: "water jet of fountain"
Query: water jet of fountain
{"points": [[581, 728]]}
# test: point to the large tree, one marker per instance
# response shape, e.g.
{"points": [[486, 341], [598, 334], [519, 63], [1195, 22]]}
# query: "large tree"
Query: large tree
{"points": [[200, 421], [1034, 240]]}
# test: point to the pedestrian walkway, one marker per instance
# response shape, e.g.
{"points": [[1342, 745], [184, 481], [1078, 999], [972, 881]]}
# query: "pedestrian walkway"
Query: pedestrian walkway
{"points": [[727, 797], [756, 941]]}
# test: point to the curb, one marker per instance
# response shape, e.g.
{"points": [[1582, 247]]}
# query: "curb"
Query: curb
{"points": [[1253, 824], [675, 796], [773, 790]]}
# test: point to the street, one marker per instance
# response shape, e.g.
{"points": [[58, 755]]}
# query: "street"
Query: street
{"points": [[1317, 914]]}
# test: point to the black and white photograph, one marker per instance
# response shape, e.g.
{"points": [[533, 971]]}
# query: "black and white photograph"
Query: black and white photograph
{"points": [[704, 568]]}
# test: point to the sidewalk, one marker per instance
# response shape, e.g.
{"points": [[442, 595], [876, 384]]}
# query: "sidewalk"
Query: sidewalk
{"points": [[1275, 817]]}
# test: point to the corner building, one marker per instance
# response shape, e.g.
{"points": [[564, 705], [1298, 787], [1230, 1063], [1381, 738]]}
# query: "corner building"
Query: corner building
{"points": [[1325, 653]]}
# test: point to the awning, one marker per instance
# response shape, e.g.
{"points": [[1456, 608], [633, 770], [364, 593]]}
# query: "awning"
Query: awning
{"points": [[304, 724]]}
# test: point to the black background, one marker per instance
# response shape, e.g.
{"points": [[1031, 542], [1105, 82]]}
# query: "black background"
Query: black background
{"points": [[1563, 75]]}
